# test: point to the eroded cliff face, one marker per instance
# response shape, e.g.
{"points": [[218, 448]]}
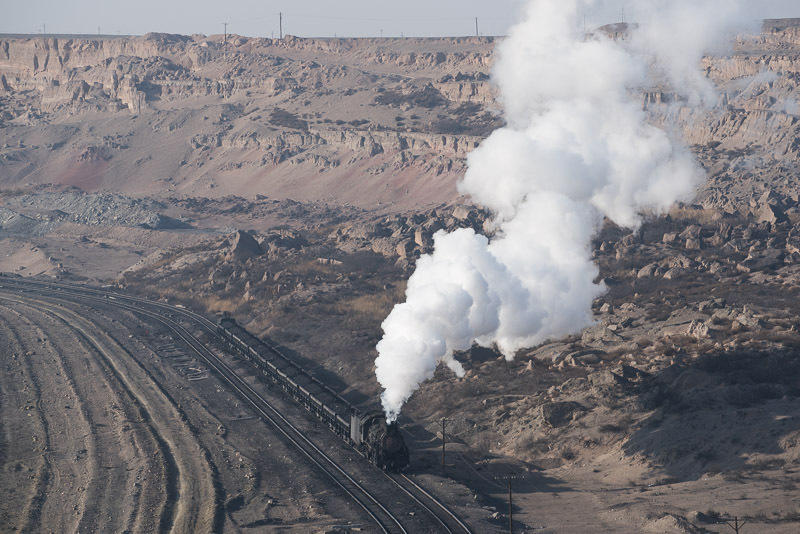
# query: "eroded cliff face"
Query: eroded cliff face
{"points": [[366, 121], [171, 67], [750, 142], [199, 115]]}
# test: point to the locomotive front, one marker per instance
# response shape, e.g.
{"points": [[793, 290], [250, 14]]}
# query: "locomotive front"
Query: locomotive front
{"points": [[384, 444]]}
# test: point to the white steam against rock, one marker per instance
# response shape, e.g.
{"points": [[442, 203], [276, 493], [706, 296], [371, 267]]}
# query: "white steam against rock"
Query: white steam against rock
{"points": [[577, 147]]}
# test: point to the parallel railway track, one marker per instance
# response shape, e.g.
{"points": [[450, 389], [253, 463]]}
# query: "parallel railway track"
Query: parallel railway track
{"points": [[440, 517]]}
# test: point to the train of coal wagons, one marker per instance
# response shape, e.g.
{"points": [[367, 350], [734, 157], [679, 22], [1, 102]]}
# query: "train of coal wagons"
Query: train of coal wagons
{"points": [[368, 432]]}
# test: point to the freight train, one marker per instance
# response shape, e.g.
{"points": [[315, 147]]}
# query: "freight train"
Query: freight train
{"points": [[368, 432]]}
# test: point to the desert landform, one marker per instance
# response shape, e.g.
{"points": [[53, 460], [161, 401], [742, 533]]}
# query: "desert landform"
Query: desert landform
{"points": [[292, 184]]}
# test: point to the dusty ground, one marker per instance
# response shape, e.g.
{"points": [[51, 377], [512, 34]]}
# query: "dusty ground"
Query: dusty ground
{"points": [[294, 183], [123, 460], [168, 448]]}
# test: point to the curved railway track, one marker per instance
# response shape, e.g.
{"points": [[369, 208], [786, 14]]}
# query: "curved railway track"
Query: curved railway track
{"points": [[441, 518]]}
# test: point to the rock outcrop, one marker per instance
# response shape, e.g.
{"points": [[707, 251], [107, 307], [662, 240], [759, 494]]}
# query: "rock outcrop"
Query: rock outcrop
{"points": [[244, 247], [359, 120]]}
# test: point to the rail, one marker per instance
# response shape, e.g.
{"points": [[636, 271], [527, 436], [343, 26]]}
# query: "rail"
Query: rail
{"points": [[443, 516]]}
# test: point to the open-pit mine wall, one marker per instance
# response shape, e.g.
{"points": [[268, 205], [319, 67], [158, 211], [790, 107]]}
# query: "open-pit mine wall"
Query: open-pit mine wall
{"points": [[195, 114]]}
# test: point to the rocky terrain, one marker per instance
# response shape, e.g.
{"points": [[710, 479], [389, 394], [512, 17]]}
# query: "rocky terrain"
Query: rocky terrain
{"points": [[200, 117], [295, 182]]}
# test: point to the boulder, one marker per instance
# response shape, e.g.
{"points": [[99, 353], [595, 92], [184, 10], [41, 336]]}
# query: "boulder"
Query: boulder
{"points": [[404, 248], [284, 239], [747, 319], [693, 243], [725, 230], [647, 271], [587, 359], [627, 241], [691, 232], [669, 238], [674, 273], [607, 380], [423, 238], [767, 213], [244, 246], [680, 261], [793, 244], [584, 357], [697, 329], [557, 414], [384, 246], [433, 225], [765, 260], [767, 209], [461, 213], [716, 240]]}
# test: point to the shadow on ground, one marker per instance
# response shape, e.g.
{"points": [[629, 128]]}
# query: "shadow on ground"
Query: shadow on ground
{"points": [[711, 414]]}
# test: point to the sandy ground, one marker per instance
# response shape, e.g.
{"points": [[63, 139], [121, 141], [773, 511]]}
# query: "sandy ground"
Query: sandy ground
{"points": [[111, 429], [130, 462]]}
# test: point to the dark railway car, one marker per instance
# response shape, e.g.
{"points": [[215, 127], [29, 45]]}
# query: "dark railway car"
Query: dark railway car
{"points": [[369, 433]]}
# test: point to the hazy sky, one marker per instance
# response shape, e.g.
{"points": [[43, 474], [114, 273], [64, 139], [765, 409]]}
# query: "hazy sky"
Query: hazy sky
{"points": [[301, 17]]}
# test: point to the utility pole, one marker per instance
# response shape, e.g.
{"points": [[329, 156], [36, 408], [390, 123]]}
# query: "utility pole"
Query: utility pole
{"points": [[510, 510], [225, 38], [508, 478], [736, 525], [280, 25], [622, 15], [443, 420], [476, 28]]}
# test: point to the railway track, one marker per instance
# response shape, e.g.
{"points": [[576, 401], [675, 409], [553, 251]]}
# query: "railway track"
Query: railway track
{"points": [[440, 517]]}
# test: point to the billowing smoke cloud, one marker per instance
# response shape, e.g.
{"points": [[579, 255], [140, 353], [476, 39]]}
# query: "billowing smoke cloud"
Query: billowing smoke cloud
{"points": [[577, 147]]}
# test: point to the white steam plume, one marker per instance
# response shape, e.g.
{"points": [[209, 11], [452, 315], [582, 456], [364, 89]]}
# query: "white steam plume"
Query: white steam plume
{"points": [[577, 147]]}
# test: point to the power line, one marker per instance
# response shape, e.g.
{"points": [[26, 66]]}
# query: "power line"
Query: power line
{"points": [[374, 19], [510, 510], [443, 443], [391, 19], [497, 21]]}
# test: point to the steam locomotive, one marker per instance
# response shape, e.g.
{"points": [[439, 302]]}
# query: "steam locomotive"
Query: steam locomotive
{"points": [[368, 433], [383, 443]]}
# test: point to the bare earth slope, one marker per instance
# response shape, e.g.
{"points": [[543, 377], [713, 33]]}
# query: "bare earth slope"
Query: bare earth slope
{"points": [[309, 119], [349, 120]]}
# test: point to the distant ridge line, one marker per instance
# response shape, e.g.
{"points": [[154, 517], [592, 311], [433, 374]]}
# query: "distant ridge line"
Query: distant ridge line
{"points": [[103, 37], [780, 24], [768, 25], [64, 36]]}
